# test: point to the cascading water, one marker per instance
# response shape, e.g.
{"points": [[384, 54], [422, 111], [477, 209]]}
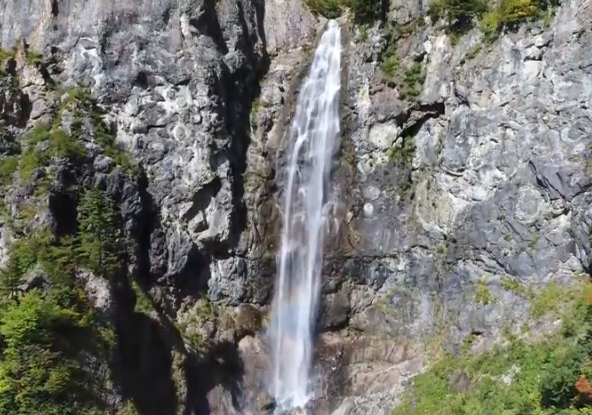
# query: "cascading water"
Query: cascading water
{"points": [[313, 136]]}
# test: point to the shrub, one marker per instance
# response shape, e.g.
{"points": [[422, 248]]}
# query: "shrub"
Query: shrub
{"points": [[33, 57], [48, 335], [331, 9], [414, 79], [366, 11], [510, 13], [99, 240], [459, 15], [390, 65], [548, 378]]}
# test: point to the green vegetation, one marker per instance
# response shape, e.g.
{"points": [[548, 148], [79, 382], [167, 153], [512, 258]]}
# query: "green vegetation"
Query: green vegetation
{"points": [[413, 81], [461, 15], [191, 322], [548, 300], [8, 167], [458, 14], [402, 152], [81, 103], [46, 142], [408, 80], [482, 294], [99, 242], [473, 52], [34, 57], [510, 284], [330, 9], [364, 11], [143, 301], [519, 378], [48, 333]]}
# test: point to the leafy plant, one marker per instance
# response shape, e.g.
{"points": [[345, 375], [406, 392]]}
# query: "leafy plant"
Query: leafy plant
{"points": [[34, 57], [100, 243], [521, 378], [331, 9]]}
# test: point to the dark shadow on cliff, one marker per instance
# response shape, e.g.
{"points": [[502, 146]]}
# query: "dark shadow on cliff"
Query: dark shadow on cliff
{"points": [[222, 367], [143, 366], [241, 89]]}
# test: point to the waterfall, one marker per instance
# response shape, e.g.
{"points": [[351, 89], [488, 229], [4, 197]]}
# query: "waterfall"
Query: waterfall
{"points": [[314, 135]]}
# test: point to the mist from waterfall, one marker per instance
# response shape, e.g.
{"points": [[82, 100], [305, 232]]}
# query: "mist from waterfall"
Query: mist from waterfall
{"points": [[314, 135]]}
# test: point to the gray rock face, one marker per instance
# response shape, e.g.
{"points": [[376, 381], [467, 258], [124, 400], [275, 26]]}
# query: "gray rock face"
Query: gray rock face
{"points": [[449, 205], [496, 189]]}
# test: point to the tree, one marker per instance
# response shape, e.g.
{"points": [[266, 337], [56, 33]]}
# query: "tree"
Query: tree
{"points": [[99, 241], [41, 370]]}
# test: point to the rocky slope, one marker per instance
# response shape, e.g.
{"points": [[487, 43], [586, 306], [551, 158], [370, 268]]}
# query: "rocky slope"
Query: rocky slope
{"points": [[463, 182]]}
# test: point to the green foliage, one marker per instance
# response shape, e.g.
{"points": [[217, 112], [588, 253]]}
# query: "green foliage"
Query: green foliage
{"points": [[473, 52], [34, 57], [39, 368], [331, 9], [364, 11], [403, 152], [100, 243], [43, 144], [510, 13], [6, 54], [8, 167], [459, 15], [413, 80], [191, 322], [510, 284], [47, 335], [390, 65], [548, 300], [483, 295], [408, 81], [81, 103], [143, 301], [518, 379], [128, 409]]}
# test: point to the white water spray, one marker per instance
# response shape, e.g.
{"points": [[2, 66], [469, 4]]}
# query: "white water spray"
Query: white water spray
{"points": [[313, 136]]}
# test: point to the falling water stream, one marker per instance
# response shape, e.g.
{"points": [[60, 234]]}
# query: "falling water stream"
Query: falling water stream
{"points": [[313, 138]]}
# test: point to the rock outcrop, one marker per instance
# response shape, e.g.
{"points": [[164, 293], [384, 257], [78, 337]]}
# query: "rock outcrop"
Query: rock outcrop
{"points": [[456, 196]]}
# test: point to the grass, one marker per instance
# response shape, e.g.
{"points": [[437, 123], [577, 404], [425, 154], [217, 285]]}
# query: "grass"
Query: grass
{"points": [[518, 378], [34, 57], [549, 300], [8, 167], [143, 302], [403, 152], [482, 294]]}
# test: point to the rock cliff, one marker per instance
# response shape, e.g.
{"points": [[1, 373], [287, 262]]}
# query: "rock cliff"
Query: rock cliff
{"points": [[463, 180]]}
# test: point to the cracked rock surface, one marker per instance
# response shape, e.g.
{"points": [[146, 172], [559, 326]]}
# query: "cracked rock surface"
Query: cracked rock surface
{"points": [[481, 182]]}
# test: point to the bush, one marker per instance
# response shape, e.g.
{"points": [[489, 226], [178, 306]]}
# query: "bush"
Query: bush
{"points": [[548, 378], [510, 13], [459, 15], [48, 335], [331, 9], [364, 11], [99, 240]]}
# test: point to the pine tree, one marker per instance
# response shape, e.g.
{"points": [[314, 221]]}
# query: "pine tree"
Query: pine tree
{"points": [[99, 242]]}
